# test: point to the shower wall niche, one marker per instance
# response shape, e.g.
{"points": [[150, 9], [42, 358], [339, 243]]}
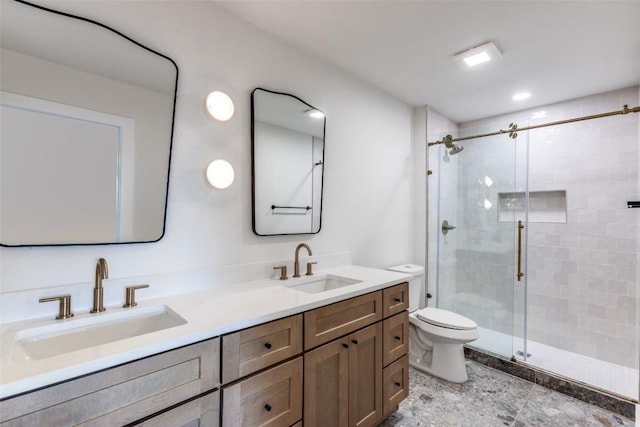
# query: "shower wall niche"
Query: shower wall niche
{"points": [[544, 206]]}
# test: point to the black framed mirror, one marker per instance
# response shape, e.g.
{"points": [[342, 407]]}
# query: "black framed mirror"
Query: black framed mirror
{"points": [[87, 125], [287, 164]]}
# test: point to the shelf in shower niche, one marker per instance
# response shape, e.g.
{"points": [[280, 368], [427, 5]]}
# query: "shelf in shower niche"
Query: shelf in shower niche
{"points": [[544, 206]]}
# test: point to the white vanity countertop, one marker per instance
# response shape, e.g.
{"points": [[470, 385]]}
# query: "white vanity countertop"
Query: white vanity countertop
{"points": [[208, 313]]}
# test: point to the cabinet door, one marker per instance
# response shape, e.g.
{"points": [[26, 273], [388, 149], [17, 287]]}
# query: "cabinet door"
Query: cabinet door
{"points": [[396, 337], [396, 384], [201, 412], [272, 398], [326, 385], [365, 376]]}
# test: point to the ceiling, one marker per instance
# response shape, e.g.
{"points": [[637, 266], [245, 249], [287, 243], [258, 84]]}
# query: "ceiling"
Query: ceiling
{"points": [[557, 50]]}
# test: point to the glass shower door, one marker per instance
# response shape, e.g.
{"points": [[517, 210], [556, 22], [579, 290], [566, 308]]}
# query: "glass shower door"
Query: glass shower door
{"points": [[479, 195]]}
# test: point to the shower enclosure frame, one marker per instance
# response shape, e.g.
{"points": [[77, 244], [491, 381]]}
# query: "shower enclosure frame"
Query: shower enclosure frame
{"points": [[449, 142]]}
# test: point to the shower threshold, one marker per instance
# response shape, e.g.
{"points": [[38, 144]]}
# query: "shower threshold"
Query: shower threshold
{"points": [[617, 379]]}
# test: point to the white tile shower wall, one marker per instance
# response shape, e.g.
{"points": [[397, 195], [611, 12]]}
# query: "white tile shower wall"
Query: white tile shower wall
{"points": [[582, 276]]}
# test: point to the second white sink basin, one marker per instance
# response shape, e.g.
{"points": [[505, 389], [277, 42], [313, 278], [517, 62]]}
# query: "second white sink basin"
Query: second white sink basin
{"points": [[324, 283], [71, 335]]}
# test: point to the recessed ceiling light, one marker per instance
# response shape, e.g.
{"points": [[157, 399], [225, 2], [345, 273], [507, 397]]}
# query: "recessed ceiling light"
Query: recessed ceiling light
{"points": [[477, 55], [520, 96]]}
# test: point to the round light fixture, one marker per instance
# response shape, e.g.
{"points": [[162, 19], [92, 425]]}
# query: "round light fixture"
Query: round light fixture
{"points": [[220, 106], [220, 174]]}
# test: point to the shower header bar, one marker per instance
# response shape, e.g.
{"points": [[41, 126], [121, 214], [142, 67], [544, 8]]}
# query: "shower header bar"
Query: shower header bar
{"points": [[513, 127]]}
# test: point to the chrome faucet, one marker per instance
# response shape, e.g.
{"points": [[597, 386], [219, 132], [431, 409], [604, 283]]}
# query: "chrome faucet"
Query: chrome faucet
{"points": [[102, 272], [296, 264]]}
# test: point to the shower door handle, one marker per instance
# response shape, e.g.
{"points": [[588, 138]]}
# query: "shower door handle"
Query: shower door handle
{"points": [[520, 273]]}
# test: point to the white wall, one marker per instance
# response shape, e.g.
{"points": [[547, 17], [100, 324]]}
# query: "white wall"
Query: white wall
{"points": [[284, 177], [367, 206]]}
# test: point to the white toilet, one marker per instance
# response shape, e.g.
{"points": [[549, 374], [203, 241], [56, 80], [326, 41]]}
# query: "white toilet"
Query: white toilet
{"points": [[436, 337]]}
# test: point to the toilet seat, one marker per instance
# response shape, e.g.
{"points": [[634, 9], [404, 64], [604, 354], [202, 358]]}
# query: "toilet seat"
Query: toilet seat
{"points": [[445, 319]]}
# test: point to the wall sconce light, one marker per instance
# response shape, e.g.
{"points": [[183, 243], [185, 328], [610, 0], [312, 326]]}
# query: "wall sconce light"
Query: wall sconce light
{"points": [[220, 174], [220, 105]]}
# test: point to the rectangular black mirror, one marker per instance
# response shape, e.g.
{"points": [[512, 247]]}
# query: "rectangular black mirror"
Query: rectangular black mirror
{"points": [[287, 138], [86, 131]]}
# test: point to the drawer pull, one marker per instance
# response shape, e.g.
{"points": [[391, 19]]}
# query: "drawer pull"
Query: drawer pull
{"points": [[397, 300], [345, 345], [267, 407], [354, 341], [397, 338], [268, 346], [397, 384]]}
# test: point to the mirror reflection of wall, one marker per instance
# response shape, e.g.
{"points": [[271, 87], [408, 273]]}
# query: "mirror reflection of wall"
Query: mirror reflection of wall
{"points": [[86, 135], [288, 164]]}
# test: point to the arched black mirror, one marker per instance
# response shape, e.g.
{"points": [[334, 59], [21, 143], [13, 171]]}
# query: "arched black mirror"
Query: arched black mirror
{"points": [[87, 122], [287, 137]]}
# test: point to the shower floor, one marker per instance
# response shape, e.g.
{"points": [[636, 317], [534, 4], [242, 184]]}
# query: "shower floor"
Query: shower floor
{"points": [[604, 375]]}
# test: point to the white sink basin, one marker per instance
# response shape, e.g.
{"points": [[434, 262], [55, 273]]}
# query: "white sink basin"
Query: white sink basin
{"points": [[71, 335], [324, 283]]}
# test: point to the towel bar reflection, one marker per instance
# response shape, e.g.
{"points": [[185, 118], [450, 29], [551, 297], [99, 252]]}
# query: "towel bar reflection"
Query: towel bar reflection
{"points": [[307, 208]]}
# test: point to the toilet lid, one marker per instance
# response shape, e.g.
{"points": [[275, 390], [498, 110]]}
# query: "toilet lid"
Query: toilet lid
{"points": [[445, 319]]}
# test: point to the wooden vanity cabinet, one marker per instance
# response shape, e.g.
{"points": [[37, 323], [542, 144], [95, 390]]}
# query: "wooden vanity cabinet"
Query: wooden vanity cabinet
{"points": [[348, 360], [395, 331], [326, 385], [252, 349], [201, 412], [335, 320], [344, 378], [395, 387], [127, 393], [272, 396], [395, 299], [343, 381]]}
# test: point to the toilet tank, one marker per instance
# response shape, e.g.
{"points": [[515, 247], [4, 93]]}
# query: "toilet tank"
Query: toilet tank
{"points": [[416, 284]]}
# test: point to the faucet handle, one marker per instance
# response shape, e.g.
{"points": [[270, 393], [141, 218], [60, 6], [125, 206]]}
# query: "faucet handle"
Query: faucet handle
{"points": [[130, 295], [283, 271], [310, 268], [64, 311]]}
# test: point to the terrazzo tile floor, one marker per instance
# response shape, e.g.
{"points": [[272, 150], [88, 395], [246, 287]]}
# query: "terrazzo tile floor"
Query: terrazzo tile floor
{"points": [[493, 399]]}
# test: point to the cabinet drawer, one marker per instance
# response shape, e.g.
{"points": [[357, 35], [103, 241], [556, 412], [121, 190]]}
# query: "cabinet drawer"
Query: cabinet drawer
{"points": [[395, 332], [395, 387], [123, 394], [332, 321], [395, 299], [202, 412], [271, 398], [256, 348]]}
